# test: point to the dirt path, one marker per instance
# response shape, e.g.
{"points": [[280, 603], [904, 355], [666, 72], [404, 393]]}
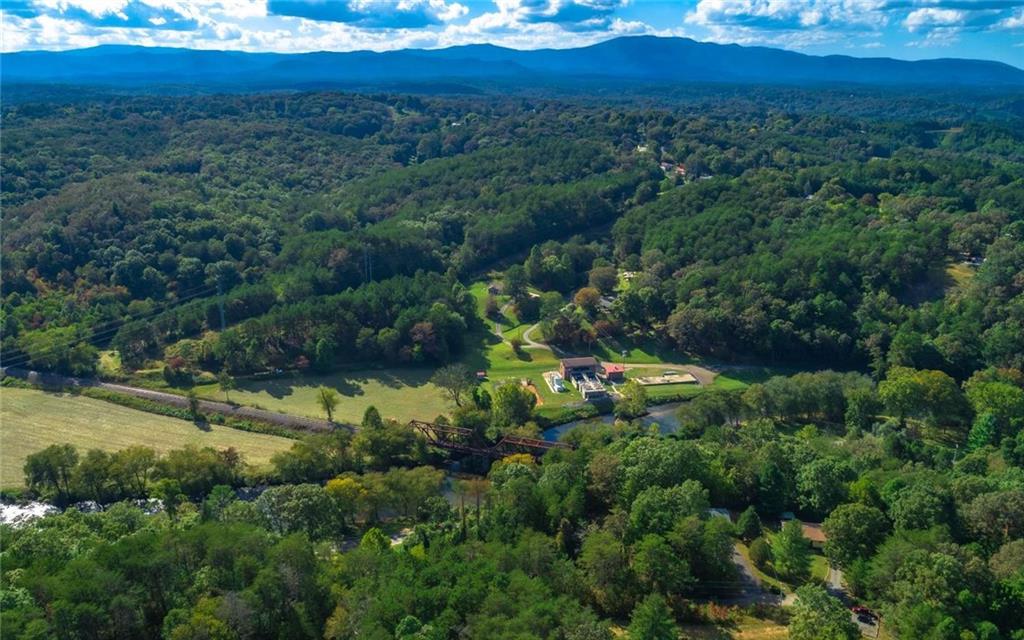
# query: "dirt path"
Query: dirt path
{"points": [[532, 344], [174, 400]]}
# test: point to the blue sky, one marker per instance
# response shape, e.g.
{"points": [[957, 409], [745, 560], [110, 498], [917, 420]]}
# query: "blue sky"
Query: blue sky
{"points": [[908, 29]]}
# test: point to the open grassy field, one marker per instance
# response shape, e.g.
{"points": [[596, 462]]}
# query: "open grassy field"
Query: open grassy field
{"points": [[406, 393], [502, 363], [31, 420], [400, 393]]}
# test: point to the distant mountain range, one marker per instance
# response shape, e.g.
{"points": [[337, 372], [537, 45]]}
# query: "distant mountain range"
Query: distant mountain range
{"points": [[642, 59]]}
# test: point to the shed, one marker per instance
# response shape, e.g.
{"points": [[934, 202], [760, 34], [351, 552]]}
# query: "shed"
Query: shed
{"points": [[614, 372], [814, 533]]}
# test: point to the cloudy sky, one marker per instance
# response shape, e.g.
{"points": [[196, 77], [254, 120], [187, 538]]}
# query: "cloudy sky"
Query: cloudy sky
{"points": [[910, 29]]}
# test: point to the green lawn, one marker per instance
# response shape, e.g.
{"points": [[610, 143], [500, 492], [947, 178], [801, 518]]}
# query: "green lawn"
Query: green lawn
{"points": [[501, 363], [399, 393], [762, 576], [742, 627], [479, 292], [405, 393], [31, 420], [638, 352], [819, 568]]}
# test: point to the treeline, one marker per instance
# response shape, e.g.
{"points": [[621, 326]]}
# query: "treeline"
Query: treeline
{"points": [[63, 475], [123, 208], [839, 264], [407, 319], [917, 482], [60, 474], [415, 319]]}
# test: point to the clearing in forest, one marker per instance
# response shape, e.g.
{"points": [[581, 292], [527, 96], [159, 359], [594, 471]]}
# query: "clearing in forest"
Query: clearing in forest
{"points": [[31, 420]]}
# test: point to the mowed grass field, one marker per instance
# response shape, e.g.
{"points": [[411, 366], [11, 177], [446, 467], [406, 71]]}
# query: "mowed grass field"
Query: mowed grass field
{"points": [[399, 393], [406, 393], [31, 420]]}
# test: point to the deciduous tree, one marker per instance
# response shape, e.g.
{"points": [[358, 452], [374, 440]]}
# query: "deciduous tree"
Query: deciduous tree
{"points": [[455, 380], [791, 552], [327, 399], [819, 616]]}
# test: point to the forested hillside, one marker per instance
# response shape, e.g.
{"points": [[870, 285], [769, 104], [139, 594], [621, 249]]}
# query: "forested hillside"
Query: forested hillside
{"points": [[792, 236], [843, 270]]}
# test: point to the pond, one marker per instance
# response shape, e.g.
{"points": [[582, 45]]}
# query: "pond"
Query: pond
{"points": [[663, 414]]}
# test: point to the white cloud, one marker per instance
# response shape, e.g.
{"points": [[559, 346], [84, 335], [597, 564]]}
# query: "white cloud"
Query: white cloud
{"points": [[395, 24], [374, 14], [1014, 22], [802, 23], [571, 15], [920, 19], [96, 8], [795, 24]]}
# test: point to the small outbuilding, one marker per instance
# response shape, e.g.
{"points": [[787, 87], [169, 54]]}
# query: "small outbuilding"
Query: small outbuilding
{"points": [[613, 372], [814, 533]]}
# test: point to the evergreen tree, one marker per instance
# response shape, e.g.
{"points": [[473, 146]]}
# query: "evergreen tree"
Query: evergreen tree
{"points": [[653, 620], [749, 524], [984, 431], [760, 553], [791, 553]]}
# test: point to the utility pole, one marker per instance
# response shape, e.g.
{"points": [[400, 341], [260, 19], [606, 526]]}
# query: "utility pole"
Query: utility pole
{"points": [[220, 304]]}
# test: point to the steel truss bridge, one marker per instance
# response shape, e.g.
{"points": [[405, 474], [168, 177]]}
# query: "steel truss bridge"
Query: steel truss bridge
{"points": [[462, 440]]}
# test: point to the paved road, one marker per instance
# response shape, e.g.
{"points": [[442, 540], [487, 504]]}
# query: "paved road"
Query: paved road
{"points": [[753, 591], [747, 590], [533, 344], [497, 323], [834, 585], [174, 400]]}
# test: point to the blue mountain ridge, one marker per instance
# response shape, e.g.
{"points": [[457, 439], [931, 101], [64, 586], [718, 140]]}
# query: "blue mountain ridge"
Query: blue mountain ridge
{"points": [[645, 59]]}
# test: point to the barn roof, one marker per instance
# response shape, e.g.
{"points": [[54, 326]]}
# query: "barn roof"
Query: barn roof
{"points": [[813, 531], [572, 363]]}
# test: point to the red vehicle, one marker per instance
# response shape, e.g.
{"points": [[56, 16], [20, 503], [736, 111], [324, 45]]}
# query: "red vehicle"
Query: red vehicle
{"points": [[863, 611]]}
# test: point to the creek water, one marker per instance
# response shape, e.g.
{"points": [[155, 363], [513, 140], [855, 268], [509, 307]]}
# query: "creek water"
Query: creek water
{"points": [[664, 415]]}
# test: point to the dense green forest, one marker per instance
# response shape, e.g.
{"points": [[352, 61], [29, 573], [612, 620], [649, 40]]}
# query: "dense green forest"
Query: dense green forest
{"points": [[793, 235], [616, 531], [874, 241]]}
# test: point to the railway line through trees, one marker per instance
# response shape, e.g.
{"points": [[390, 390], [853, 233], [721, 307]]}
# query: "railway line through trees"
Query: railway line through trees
{"points": [[450, 438]]}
